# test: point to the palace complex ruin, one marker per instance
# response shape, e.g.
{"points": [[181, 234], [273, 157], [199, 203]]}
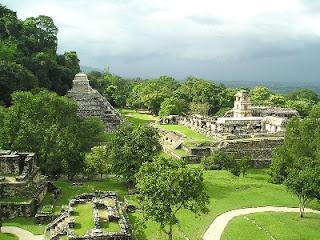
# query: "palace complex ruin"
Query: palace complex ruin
{"points": [[22, 187], [245, 130], [103, 212], [92, 103]]}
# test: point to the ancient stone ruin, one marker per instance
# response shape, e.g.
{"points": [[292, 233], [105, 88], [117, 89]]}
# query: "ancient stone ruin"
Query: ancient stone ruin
{"points": [[22, 187], [108, 219], [92, 103], [245, 130]]}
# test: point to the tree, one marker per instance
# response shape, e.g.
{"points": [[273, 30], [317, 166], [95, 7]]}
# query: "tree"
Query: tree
{"points": [[131, 147], [173, 106], [304, 94], [219, 160], [97, 161], [150, 94], [300, 142], [204, 94], [315, 111], [28, 56], [166, 186], [303, 106], [48, 125], [245, 163], [14, 77], [305, 183], [260, 95], [296, 163]]}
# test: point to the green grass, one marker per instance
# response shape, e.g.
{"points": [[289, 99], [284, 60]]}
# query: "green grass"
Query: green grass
{"points": [[189, 133], [69, 191], [181, 152], [226, 192], [27, 224], [138, 118], [15, 199], [282, 226], [83, 216], [8, 236], [110, 227]]}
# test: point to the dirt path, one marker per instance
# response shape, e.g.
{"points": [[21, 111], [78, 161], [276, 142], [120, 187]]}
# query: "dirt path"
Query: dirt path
{"points": [[215, 230], [21, 233]]}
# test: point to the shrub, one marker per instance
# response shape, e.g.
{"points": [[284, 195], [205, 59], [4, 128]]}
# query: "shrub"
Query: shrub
{"points": [[220, 160]]}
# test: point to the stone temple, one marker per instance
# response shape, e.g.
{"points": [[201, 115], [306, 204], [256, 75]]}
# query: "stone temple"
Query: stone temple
{"points": [[245, 130], [22, 187], [92, 103]]}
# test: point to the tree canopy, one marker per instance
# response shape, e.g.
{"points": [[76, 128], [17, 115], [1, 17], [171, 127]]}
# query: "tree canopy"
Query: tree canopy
{"points": [[166, 186], [28, 56], [131, 147], [296, 163], [47, 124]]}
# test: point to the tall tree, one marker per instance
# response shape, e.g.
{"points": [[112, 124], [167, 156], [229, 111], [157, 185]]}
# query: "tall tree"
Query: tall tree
{"points": [[47, 124], [167, 186], [297, 162], [131, 147]]}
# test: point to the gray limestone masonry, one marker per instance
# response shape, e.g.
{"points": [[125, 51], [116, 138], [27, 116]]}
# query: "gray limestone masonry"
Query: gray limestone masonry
{"points": [[22, 187], [245, 130], [91, 103]]}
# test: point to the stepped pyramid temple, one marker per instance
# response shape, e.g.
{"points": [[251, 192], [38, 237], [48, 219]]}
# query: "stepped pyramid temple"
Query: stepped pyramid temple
{"points": [[92, 103]]}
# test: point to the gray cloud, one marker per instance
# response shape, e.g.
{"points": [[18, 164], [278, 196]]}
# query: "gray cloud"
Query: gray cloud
{"points": [[262, 39], [205, 20]]}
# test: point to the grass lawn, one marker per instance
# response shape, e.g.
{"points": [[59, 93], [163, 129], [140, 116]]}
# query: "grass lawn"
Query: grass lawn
{"points": [[181, 152], [138, 118], [282, 226], [227, 192], [189, 133], [69, 191], [111, 227], [27, 224], [8, 236], [83, 217]]}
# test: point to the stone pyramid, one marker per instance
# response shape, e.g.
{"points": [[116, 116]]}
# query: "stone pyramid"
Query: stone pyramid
{"points": [[92, 103]]}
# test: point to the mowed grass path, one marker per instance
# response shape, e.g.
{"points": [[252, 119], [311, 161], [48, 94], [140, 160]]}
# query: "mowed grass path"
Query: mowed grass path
{"points": [[8, 236], [189, 133], [228, 192], [283, 226], [138, 118]]}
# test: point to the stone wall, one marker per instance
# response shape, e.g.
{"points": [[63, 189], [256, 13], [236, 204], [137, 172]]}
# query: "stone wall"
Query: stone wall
{"points": [[12, 210], [260, 150]]}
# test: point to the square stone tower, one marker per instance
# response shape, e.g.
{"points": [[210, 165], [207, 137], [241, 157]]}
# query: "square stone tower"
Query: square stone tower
{"points": [[242, 105]]}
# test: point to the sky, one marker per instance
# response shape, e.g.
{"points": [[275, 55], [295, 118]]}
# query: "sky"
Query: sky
{"points": [[229, 40]]}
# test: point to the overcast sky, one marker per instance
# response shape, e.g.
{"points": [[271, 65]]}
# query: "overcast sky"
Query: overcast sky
{"points": [[247, 40]]}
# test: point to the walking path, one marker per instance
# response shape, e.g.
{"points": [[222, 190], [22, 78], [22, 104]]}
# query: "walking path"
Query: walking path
{"points": [[21, 233], [215, 230]]}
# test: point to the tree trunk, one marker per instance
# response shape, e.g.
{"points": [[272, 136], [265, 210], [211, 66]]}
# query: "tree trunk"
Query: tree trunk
{"points": [[301, 206], [170, 232]]}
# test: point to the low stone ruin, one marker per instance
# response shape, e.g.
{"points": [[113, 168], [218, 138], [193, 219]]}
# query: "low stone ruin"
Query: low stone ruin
{"points": [[92, 103], [22, 187], [258, 130], [106, 209]]}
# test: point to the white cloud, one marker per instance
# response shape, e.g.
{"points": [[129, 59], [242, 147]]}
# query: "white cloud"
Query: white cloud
{"points": [[202, 30]]}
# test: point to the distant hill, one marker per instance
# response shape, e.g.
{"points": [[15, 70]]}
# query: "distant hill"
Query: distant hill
{"points": [[89, 69], [279, 87]]}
